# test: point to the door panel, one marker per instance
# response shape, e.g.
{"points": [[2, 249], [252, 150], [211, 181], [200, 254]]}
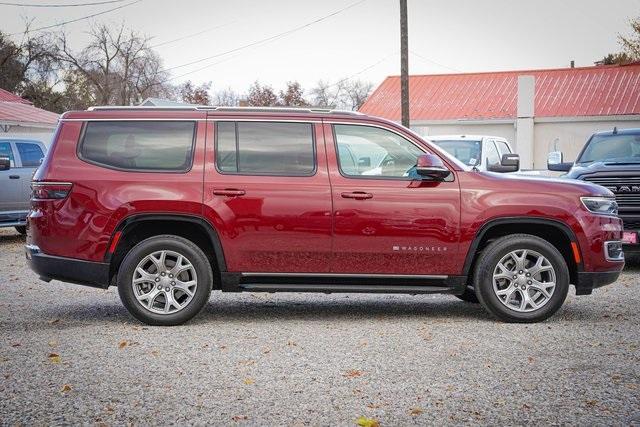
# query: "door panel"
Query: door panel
{"points": [[268, 223], [387, 225], [10, 181]]}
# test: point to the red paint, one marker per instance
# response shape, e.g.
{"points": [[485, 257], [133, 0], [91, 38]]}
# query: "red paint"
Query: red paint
{"points": [[303, 224], [586, 91]]}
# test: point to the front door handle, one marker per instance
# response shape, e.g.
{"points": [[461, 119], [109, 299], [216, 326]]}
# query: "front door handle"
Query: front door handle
{"points": [[358, 195], [14, 176], [229, 192]]}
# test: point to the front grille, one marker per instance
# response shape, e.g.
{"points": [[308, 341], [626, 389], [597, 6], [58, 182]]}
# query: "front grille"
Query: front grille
{"points": [[626, 189]]}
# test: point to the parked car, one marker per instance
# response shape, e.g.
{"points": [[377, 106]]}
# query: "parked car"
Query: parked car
{"points": [[19, 159], [485, 153], [170, 203], [611, 159]]}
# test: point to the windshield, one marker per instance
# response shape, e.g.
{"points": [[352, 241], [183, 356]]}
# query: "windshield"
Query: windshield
{"points": [[618, 148], [467, 151]]}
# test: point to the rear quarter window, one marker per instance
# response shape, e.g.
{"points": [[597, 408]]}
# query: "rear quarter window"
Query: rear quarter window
{"points": [[139, 145], [31, 154]]}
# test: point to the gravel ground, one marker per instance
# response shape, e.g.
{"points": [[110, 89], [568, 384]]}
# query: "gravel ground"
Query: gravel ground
{"points": [[71, 355]]}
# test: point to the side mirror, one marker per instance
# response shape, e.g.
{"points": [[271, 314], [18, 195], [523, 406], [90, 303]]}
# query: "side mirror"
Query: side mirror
{"points": [[429, 166], [5, 164], [509, 163], [555, 162]]}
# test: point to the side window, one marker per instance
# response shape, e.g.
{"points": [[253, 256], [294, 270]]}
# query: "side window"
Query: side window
{"points": [[265, 148], [30, 154], [503, 148], [369, 151], [6, 151], [493, 158], [140, 145]]}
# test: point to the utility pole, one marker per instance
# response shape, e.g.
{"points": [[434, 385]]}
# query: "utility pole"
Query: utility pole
{"points": [[404, 63]]}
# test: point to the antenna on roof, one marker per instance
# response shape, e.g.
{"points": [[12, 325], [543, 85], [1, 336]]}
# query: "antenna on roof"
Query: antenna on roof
{"points": [[615, 130]]}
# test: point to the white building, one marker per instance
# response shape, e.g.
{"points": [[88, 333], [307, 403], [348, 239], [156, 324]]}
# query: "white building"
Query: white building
{"points": [[20, 119], [534, 109]]}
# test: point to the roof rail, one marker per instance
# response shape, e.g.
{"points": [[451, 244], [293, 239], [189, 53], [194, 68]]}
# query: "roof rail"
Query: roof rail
{"points": [[225, 109]]}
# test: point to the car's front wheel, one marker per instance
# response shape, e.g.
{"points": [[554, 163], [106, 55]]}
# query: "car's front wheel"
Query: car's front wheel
{"points": [[521, 278], [165, 280]]}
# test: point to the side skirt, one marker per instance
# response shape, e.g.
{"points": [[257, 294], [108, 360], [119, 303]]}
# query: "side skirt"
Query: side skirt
{"points": [[342, 283]]}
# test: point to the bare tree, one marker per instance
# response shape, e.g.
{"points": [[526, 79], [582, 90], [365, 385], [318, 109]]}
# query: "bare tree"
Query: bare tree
{"points": [[324, 95], [261, 96], [293, 96], [118, 64], [356, 93], [192, 94], [226, 98]]}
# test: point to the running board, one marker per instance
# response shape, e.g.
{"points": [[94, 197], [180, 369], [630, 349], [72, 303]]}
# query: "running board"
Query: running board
{"points": [[382, 289], [326, 283]]}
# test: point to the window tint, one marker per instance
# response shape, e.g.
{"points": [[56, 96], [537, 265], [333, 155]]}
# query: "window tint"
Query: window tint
{"points": [[30, 154], [152, 145], [493, 158], [265, 148], [369, 151], [467, 151], [6, 151]]}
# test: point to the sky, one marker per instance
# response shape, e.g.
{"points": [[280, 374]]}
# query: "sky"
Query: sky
{"points": [[360, 41]]}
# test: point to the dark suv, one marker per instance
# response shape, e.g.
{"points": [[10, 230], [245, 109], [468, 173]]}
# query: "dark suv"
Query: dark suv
{"points": [[611, 159], [170, 203]]}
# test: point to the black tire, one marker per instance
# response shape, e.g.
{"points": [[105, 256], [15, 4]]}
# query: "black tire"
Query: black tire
{"points": [[469, 295], [22, 229], [489, 259], [175, 244]]}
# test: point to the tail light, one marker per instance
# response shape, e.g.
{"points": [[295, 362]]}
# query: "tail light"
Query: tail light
{"points": [[50, 190]]}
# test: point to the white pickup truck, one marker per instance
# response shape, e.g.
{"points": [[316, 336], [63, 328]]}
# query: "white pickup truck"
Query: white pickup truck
{"points": [[486, 153]]}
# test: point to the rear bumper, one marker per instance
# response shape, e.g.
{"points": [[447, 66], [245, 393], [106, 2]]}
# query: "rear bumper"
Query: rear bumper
{"points": [[588, 280], [49, 267], [13, 218]]}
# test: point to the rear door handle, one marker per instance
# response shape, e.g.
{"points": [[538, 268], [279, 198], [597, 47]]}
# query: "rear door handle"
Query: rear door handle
{"points": [[14, 176], [229, 192], [359, 195]]}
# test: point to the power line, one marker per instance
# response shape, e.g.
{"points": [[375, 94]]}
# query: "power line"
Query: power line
{"points": [[191, 35], [367, 68], [434, 62], [60, 5], [268, 39], [77, 19]]}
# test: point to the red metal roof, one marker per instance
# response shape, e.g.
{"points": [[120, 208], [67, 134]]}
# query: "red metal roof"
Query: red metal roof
{"points": [[6, 96], [586, 91], [16, 109]]}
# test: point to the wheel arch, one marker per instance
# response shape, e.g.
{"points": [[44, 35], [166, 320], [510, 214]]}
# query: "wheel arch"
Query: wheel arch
{"points": [[555, 232], [136, 228]]}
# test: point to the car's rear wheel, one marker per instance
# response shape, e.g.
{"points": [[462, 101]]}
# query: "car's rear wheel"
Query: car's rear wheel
{"points": [[165, 280], [22, 229], [521, 278]]}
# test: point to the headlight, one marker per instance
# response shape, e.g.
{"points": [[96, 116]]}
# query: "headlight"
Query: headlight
{"points": [[600, 205]]}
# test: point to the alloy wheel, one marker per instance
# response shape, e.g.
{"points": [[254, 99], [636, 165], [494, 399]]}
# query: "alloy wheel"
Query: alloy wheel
{"points": [[164, 282], [524, 280]]}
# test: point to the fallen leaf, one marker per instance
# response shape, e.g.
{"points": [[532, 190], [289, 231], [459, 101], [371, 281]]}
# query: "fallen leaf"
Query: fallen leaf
{"points": [[239, 417], [531, 359], [249, 381], [591, 402], [122, 344], [53, 343], [266, 350], [352, 373], [367, 422], [54, 321], [65, 388], [16, 345], [155, 353], [54, 358], [416, 411]]}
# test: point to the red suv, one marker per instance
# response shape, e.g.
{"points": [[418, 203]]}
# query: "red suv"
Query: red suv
{"points": [[170, 203]]}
